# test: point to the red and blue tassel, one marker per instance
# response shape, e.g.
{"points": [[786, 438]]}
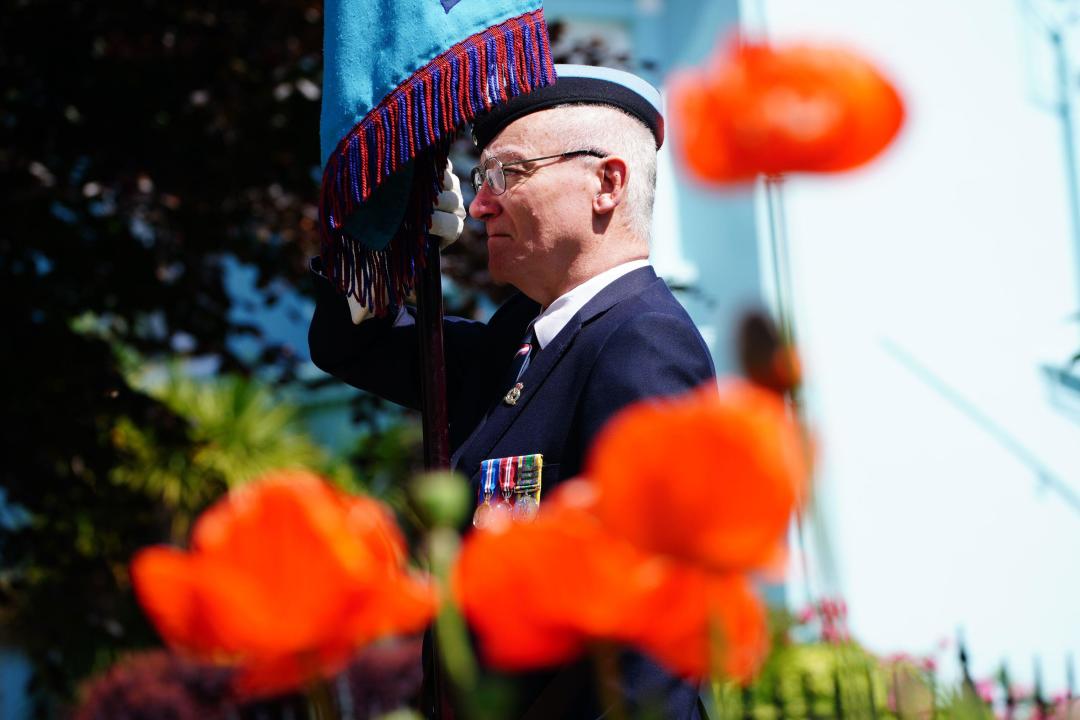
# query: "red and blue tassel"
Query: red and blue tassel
{"points": [[417, 122]]}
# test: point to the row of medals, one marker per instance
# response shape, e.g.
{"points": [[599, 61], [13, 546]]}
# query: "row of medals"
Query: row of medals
{"points": [[524, 507]]}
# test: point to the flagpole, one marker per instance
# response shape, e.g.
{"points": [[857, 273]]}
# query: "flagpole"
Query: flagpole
{"points": [[429, 322], [435, 421]]}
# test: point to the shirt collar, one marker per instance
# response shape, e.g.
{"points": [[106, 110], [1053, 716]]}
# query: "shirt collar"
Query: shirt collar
{"points": [[549, 323]]}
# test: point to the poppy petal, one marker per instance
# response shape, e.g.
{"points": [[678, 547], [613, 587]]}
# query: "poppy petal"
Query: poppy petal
{"points": [[711, 625], [286, 577], [711, 477], [164, 585], [758, 109], [536, 594]]}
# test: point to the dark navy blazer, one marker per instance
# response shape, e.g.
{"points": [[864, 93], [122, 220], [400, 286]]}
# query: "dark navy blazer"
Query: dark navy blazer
{"points": [[633, 340]]}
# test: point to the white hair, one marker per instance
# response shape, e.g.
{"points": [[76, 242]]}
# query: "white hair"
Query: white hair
{"points": [[612, 131]]}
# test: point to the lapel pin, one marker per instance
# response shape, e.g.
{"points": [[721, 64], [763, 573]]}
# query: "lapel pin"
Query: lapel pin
{"points": [[511, 397]]}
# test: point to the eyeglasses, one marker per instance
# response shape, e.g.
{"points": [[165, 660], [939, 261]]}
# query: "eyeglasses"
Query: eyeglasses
{"points": [[492, 170]]}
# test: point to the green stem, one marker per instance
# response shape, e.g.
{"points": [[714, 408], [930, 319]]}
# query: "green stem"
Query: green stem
{"points": [[457, 661], [605, 661], [715, 688], [321, 701], [717, 647], [719, 684]]}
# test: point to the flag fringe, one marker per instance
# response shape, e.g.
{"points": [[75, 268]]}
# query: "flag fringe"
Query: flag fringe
{"points": [[417, 121]]}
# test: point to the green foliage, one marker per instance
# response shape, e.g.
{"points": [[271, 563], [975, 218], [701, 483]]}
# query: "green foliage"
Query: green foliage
{"points": [[152, 478], [239, 429], [138, 147], [387, 456], [962, 704], [243, 428], [812, 680], [831, 681], [165, 474]]}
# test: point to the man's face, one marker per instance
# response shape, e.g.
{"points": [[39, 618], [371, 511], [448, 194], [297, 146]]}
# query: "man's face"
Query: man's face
{"points": [[535, 227]]}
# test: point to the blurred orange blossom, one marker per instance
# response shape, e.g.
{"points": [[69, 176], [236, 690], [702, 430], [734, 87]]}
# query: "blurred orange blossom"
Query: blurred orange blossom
{"points": [[535, 593], [538, 594], [711, 477], [705, 624], [755, 108], [286, 578]]}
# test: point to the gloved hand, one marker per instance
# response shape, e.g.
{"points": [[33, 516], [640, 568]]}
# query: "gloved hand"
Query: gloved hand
{"points": [[447, 221]]}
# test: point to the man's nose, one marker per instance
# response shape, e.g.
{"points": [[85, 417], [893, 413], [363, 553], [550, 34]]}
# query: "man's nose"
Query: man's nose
{"points": [[485, 204]]}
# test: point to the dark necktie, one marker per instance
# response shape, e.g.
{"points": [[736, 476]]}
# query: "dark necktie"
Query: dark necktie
{"points": [[529, 347]]}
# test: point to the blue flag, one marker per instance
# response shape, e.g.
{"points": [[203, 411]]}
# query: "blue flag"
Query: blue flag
{"points": [[401, 77]]}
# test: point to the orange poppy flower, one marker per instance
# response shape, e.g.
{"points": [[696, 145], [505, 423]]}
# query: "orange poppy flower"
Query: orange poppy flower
{"points": [[537, 594], [759, 109], [286, 577], [705, 624], [710, 478]]}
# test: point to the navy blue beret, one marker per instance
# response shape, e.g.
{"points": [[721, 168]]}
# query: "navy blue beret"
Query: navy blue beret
{"points": [[578, 84]]}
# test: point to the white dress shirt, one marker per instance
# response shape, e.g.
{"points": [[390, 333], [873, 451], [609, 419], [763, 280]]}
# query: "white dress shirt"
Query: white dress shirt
{"points": [[549, 323]]}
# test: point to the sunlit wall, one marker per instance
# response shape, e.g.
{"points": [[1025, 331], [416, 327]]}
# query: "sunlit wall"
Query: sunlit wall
{"points": [[934, 291]]}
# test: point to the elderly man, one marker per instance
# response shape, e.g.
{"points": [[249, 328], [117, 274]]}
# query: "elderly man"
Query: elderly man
{"points": [[565, 189]]}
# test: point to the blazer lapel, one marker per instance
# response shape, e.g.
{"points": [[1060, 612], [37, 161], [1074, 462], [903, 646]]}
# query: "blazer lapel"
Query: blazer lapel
{"points": [[502, 415], [625, 287]]}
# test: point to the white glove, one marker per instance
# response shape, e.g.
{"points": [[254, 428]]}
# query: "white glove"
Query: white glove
{"points": [[447, 221]]}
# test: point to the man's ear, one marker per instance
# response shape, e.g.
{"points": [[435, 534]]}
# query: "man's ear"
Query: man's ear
{"points": [[613, 174]]}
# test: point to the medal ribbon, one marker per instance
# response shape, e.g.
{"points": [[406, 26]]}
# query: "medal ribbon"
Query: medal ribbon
{"points": [[517, 480], [506, 476], [487, 481]]}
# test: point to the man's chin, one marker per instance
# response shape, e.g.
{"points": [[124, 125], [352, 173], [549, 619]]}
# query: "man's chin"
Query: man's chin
{"points": [[499, 271], [497, 277]]}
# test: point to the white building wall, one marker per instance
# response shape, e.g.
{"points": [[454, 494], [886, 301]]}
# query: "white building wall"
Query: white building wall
{"points": [[931, 288]]}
